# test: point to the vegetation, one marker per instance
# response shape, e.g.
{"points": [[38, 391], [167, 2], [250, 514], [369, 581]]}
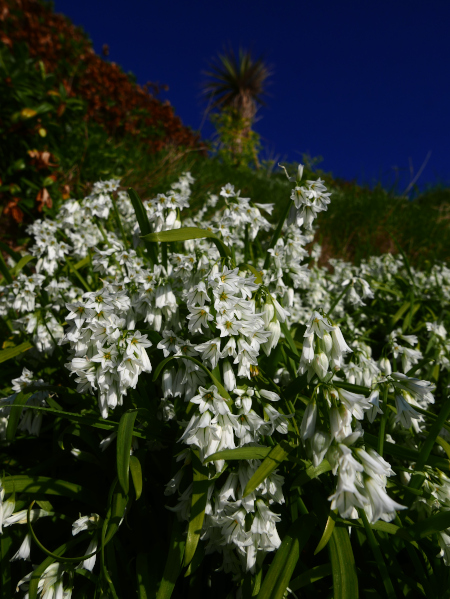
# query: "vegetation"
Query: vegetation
{"points": [[199, 395], [236, 87], [67, 116]]}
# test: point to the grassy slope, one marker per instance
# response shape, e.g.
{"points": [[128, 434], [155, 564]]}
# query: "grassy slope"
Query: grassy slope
{"points": [[359, 222]]}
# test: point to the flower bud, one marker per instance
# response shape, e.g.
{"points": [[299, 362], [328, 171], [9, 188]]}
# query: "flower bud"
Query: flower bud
{"points": [[320, 365], [308, 425], [170, 219], [328, 342], [268, 313], [167, 381], [157, 323], [275, 333], [229, 379], [385, 366], [319, 445], [308, 349]]}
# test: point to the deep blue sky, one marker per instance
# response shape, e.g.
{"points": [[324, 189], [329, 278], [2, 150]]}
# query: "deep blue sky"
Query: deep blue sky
{"points": [[365, 84]]}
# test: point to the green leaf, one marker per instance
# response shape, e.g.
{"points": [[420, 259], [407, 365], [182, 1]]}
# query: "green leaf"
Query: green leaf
{"points": [[14, 416], [282, 567], [21, 264], [174, 560], [141, 213], [387, 582], [329, 527], [288, 337], [310, 576], [22, 483], [252, 269], [186, 233], [200, 488], [444, 444], [87, 419], [276, 456], [345, 580], [76, 273], [424, 453], [136, 475], [118, 507], [430, 525], [124, 440], [12, 352], [142, 575], [82, 263], [310, 473], [144, 224], [240, 453], [56, 557], [14, 255], [296, 386], [351, 387], [400, 313], [5, 566]]}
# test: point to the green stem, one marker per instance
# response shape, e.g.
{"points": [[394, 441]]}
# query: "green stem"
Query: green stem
{"points": [[336, 301], [119, 221], [77, 274], [277, 233], [246, 248], [102, 231], [384, 418]]}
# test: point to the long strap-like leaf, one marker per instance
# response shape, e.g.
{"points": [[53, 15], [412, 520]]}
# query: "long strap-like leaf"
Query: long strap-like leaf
{"points": [[187, 233], [282, 567], [124, 440], [200, 487], [345, 579]]}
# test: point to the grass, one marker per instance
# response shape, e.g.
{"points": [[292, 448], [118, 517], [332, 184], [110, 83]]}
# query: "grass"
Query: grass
{"points": [[360, 222]]}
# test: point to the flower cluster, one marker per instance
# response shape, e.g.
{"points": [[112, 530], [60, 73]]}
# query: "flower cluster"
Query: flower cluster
{"points": [[108, 353], [254, 351]]}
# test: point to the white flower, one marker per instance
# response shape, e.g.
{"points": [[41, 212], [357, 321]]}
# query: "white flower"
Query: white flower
{"points": [[354, 402], [308, 425], [198, 317], [374, 399], [24, 550], [210, 351], [229, 378], [381, 505], [85, 523], [405, 412], [420, 389], [318, 446]]}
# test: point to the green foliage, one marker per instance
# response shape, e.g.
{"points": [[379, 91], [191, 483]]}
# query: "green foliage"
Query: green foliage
{"points": [[238, 144], [49, 150]]}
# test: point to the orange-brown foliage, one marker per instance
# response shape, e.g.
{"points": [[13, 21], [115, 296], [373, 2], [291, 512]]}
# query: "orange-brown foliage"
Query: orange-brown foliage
{"points": [[113, 100]]}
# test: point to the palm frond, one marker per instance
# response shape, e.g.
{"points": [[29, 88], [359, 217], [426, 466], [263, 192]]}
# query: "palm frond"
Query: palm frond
{"points": [[238, 81]]}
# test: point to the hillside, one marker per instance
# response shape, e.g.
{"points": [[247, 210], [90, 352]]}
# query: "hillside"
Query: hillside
{"points": [[69, 117]]}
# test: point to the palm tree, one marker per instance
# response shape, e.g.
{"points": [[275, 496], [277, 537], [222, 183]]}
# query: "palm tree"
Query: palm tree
{"points": [[237, 83]]}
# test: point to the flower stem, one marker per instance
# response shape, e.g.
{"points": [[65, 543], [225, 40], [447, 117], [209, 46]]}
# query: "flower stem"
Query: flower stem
{"points": [[277, 233]]}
